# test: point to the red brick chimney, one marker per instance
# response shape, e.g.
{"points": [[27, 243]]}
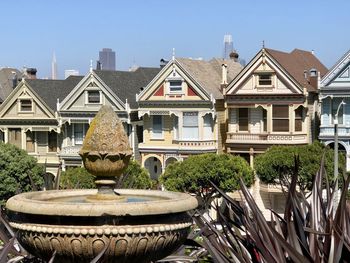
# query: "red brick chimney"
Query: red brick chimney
{"points": [[31, 73]]}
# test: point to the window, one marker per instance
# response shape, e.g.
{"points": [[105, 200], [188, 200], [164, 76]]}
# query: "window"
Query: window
{"points": [[176, 128], [15, 137], [264, 120], [157, 127], [265, 80], [26, 105], [52, 141], [30, 147], [299, 119], [190, 126], [78, 133], [94, 96], [2, 139], [335, 105], [280, 118], [243, 119], [175, 86], [207, 127]]}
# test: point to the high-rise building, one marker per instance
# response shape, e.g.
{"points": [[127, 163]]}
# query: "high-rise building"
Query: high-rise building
{"points": [[228, 46], [54, 67], [70, 72], [107, 59]]}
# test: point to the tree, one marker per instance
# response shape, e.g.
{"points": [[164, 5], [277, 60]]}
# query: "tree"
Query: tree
{"points": [[19, 172], [134, 177], [194, 174], [278, 162]]}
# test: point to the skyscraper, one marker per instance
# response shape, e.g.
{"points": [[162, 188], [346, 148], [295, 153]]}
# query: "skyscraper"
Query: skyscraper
{"points": [[54, 67], [107, 59], [228, 46]]}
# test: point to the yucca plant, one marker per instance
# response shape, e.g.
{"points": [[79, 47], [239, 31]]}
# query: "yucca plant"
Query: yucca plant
{"points": [[312, 229]]}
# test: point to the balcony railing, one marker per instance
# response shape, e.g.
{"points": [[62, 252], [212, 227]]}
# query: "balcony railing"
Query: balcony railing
{"points": [[233, 137], [329, 131], [211, 144], [71, 150]]}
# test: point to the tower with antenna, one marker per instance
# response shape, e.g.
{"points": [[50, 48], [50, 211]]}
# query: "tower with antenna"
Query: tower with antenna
{"points": [[54, 67], [228, 46]]}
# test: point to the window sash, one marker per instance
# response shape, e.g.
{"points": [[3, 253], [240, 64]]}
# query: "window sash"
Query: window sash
{"points": [[175, 86], [265, 80], [280, 118], [52, 141], [30, 146], [264, 112], [207, 127], [243, 121], [298, 119], [15, 137], [190, 128], [26, 105], [78, 133], [176, 128], [157, 127], [94, 96]]}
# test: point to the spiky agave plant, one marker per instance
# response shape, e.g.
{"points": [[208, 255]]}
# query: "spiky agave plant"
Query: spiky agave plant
{"points": [[312, 230]]}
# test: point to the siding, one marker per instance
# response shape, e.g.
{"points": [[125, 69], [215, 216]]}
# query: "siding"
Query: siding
{"points": [[233, 120], [255, 120], [326, 114], [221, 122]]}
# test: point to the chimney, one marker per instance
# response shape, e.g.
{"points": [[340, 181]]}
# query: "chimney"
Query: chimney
{"points": [[14, 79], [31, 73], [223, 74], [98, 65], [234, 55], [313, 78], [163, 62]]}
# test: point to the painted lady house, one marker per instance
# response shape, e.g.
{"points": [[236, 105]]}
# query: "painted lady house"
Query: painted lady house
{"points": [[182, 110]]}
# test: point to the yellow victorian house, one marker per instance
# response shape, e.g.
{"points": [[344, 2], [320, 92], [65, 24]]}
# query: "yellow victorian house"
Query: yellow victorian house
{"points": [[182, 110]]}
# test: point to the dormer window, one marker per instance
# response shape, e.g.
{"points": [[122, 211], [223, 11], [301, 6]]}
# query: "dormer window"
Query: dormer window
{"points": [[94, 96], [175, 85], [265, 80], [26, 105]]}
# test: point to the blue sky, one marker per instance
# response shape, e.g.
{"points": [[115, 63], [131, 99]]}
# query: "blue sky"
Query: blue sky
{"points": [[142, 32]]}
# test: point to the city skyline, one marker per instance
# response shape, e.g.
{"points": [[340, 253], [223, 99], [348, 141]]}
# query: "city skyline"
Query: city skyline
{"points": [[142, 33]]}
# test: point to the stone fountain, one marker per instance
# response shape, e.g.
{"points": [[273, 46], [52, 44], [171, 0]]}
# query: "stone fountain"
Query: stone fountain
{"points": [[125, 225]]}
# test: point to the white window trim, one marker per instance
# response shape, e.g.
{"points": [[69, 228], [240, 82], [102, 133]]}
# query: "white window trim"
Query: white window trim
{"points": [[161, 137], [87, 96], [20, 105], [73, 133], [257, 78], [175, 91], [198, 127]]}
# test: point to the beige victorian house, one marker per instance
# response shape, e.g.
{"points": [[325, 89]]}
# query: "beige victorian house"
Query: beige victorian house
{"points": [[182, 110], [28, 119], [273, 101]]}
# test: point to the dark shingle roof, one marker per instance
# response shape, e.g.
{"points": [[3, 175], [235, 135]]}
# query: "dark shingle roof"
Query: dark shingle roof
{"points": [[296, 62], [125, 84], [51, 90]]}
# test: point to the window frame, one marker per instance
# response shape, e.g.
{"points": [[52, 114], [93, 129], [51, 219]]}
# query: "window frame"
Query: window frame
{"points": [[239, 118], [269, 80], [157, 135], [280, 118], [22, 107], [189, 126], [88, 96], [298, 118], [178, 88]]}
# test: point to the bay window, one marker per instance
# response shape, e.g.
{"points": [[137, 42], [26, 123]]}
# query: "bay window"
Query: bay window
{"points": [[190, 126], [280, 118], [157, 127], [207, 127]]}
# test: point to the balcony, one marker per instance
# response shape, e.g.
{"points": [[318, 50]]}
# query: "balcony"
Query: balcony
{"points": [[265, 138], [196, 146], [328, 131], [205, 145]]}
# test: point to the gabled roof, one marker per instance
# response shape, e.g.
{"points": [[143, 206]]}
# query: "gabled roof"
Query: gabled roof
{"points": [[336, 69], [6, 83], [296, 62], [125, 84], [209, 73], [51, 90]]}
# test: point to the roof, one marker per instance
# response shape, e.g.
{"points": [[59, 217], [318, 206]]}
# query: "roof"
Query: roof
{"points": [[6, 81], [209, 73], [125, 84], [51, 90], [296, 62]]}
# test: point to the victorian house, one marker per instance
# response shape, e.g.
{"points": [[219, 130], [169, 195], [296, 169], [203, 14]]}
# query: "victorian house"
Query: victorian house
{"points": [[28, 118], [334, 92], [114, 88], [182, 110], [273, 101]]}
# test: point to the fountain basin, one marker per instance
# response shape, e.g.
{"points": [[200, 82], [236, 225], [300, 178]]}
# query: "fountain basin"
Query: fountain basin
{"points": [[148, 226]]}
